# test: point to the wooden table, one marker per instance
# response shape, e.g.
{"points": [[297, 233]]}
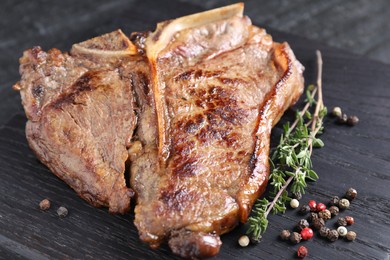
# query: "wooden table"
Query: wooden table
{"points": [[352, 157]]}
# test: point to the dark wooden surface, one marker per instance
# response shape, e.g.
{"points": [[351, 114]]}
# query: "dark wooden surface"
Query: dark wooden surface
{"points": [[357, 157]]}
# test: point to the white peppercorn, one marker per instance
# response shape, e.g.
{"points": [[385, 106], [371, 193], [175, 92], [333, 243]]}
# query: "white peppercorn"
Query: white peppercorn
{"points": [[342, 231], [344, 204], [243, 241]]}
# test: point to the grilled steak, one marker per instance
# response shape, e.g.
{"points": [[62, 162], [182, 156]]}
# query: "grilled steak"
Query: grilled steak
{"points": [[219, 85], [81, 114]]}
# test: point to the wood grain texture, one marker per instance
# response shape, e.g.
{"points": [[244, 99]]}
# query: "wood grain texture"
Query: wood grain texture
{"points": [[357, 157]]}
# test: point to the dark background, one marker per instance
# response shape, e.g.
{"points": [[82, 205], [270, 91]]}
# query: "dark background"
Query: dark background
{"points": [[354, 37]]}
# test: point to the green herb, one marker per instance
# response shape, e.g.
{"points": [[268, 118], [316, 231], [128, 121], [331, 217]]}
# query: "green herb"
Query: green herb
{"points": [[291, 159]]}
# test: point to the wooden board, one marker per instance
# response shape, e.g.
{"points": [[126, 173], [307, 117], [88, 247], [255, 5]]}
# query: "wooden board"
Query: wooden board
{"points": [[352, 157]]}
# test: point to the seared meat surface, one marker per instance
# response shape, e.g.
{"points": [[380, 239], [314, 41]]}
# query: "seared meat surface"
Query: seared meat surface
{"points": [[189, 107]]}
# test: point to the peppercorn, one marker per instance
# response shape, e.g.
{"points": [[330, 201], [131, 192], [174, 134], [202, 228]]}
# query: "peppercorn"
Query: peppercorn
{"points": [[243, 241], [306, 233], [344, 204], [312, 217], [285, 234], [334, 201], [352, 120], [336, 111], [350, 220], [351, 235], [333, 235], [341, 222], [320, 207], [334, 211], [302, 252], [44, 204], [318, 223], [304, 209], [254, 240], [294, 203], [62, 212], [313, 205], [351, 194], [324, 231], [297, 195], [295, 238], [302, 224], [342, 119], [325, 215], [342, 231]]}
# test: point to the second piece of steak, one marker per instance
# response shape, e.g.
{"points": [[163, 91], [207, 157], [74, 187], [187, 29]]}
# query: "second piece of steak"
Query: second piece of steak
{"points": [[219, 85], [81, 115]]}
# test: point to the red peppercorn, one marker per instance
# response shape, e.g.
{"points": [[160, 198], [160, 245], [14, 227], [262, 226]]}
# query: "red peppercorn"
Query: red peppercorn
{"points": [[350, 220], [302, 252], [313, 205], [307, 233], [320, 207]]}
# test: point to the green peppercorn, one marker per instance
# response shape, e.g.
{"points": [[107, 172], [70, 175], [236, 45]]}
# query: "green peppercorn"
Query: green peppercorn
{"points": [[295, 238], [334, 201], [344, 204], [325, 214], [285, 234], [351, 194], [351, 236], [318, 223], [341, 222], [324, 231], [333, 235], [352, 120], [336, 111], [334, 210], [304, 209], [302, 224], [342, 119], [312, 216]]}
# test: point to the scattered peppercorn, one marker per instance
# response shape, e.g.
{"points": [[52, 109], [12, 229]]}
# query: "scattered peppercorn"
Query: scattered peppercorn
{"points": [[351, 236], [44, 204], [254, 240], [304, 209], [342, 231], [294, 203], [342, 119], [302, 252], [334, 201], [344, 204], [341, 222], [320, 207], [302, 224], [324, 231], [334, 210], [333, 235], [350, 220], [351, 194], [285, 235], [62, 212], [306, 233], [318, 223], [243, 241], [325, 214], [352, 120], [295, 238], [336, 112], [312, 217], [297, 195], [313, 205]]}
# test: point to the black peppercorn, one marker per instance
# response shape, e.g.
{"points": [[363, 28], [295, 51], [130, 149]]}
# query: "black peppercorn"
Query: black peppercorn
{"points": [[351, 194], [302, 224], [62, 212], [334, 201], [297, 195], [352, 120], [285, 235], [341, 222], [295, 238], [324, 231], [318, 223], [304, 210], [333, 235], [334, 210], [342, 119], [312, 216], [325, 214]]}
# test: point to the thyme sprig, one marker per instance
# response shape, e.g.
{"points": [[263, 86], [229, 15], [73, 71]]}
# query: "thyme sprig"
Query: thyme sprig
{"points": [[291, 159]]}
